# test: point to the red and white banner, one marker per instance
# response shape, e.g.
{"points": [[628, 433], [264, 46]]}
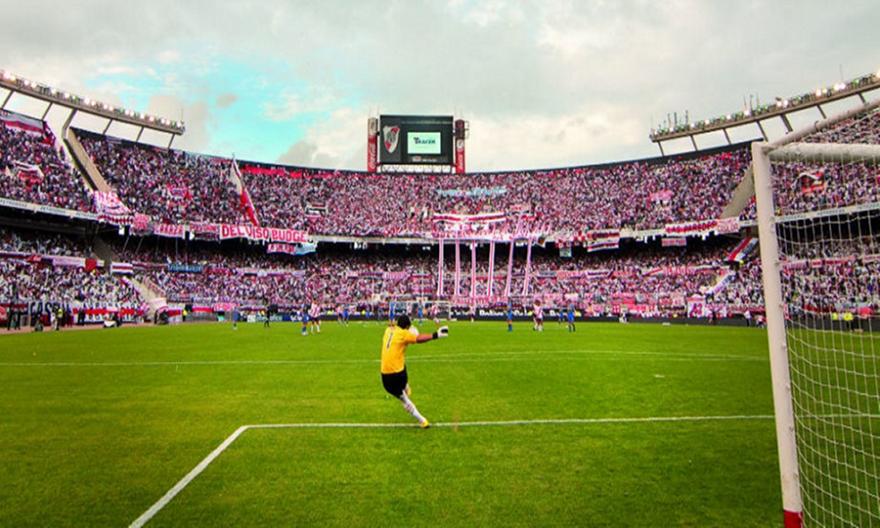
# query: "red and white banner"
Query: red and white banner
{"points": [[673, 242], [469, 225], [247, 206], [289, 249], [263, 272], [273, 234], [696, 306], [110, 208], [742, 250], [582, 274], [142, 223], [24, 123], [703, 227], [597, 236], [812, 181], [29, 174], [603, 245], [727, 225], [459, 156], [372, 144], [726, 277], [121, 268], [223, 307], [670, 271], [838, 262], [205, 231], [700, 227], [169, 230], [87, 264], [481, 218], [272, 171]]}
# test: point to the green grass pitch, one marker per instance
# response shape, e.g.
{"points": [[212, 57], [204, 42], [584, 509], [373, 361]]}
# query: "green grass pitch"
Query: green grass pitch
{"points": [[96, 426]]}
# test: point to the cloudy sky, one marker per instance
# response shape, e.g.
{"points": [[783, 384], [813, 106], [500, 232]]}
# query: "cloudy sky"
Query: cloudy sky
{"points": [[543, 83]]}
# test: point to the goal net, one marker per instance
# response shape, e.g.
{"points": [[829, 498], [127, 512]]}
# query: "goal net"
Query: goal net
{"points": [[818, 201]]}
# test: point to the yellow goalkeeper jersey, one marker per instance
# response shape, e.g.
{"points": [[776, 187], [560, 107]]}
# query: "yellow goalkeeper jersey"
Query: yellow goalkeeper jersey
{"points": [[394, 344]]}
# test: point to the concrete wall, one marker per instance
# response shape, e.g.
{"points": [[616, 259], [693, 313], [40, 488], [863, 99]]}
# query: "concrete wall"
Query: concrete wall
{"points": [[90, 169], [742, 195]]}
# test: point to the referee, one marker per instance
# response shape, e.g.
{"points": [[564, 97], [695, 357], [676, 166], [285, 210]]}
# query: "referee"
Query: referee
{"points": [[394, 379]]}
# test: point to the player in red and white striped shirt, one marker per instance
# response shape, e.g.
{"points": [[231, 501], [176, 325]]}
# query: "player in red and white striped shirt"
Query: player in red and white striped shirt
{"points": [[538, 316]]}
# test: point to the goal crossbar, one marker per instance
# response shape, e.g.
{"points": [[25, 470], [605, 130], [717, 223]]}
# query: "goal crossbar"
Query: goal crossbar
{"points": [[825, 153]]}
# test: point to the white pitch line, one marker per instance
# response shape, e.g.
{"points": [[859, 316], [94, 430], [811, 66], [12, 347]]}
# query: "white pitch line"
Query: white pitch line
{"points": [[509, 423], [196, 471], [607, 355], [177, 488]]}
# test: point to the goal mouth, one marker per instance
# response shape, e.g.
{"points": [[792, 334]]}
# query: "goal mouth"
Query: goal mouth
{"points": [[818, 213]]}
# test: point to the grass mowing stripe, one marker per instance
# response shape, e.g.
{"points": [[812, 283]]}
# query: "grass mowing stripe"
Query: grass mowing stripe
{"points": [[151, 512], [470, 357]]}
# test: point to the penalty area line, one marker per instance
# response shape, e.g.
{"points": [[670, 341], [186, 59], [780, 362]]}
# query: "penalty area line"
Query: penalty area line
{"points": [[151, 512]]}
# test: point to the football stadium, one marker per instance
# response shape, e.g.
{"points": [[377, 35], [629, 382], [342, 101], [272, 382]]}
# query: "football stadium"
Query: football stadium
{"points": [[250, 279]]}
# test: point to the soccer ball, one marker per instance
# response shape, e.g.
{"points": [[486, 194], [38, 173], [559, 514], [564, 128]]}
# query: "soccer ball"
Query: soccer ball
{"points": [[414, 331]]}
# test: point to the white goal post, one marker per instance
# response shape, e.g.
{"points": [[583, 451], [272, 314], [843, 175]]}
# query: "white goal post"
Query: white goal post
{"points": [[824, 368]]}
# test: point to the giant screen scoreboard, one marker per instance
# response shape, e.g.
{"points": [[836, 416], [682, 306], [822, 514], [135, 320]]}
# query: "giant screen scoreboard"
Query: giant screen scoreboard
{"points": [[415, 140]]}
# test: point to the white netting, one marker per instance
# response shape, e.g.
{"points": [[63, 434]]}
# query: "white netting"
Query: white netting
{"points": [[828, 230]]}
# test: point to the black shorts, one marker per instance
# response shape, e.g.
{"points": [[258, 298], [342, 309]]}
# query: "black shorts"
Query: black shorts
{"points": [[395, 383]]}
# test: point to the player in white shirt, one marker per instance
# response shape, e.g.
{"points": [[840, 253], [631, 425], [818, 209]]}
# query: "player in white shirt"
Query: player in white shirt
{"points": [[315, 318], [538, 315]]}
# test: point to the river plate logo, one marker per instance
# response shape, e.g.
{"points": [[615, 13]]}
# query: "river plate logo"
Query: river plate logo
{"points": [[390, 136]]}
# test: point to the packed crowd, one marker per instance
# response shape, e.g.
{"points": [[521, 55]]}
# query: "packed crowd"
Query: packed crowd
{"points": [[864, 128], [22, 281], [170, 186], [634, 194], [801, 187], [836, 288], [745, 290], [33, 170], [638, 274], [661, 278], [806, 187], [41, 243], [29, 279], [212, 286], [166, 251], [832, 269], [812, 243]]}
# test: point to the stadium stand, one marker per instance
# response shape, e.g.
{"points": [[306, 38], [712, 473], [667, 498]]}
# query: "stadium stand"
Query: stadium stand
{"points": [[863, 128], [33, 169], [38, 269], [177, 187], [637, 278], [642, 194], [171, 186]]}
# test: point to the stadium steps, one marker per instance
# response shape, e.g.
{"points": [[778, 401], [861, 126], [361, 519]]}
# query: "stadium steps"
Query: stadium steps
{"points": [[89, 169], [742, 196], [149, 292]]}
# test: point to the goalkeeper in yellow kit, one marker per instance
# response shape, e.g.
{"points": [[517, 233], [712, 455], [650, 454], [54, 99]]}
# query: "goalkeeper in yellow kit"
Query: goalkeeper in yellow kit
{"points": [[394, 344]]}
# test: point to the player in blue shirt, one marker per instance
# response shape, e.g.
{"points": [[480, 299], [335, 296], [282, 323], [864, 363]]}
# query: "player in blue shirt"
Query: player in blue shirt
{"points": [[571, 318], [305, 319], [510, 318]]}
